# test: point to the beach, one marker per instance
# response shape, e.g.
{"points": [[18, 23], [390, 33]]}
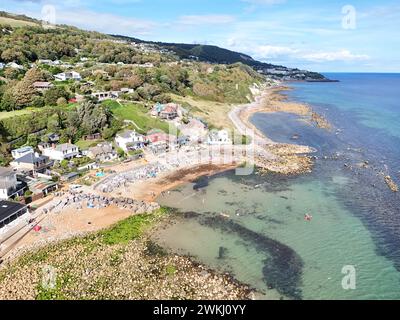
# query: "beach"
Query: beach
{"points": [[131, 180], [145, 181]]}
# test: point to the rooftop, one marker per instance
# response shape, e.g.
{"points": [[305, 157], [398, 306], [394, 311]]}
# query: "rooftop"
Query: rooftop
{"points": [[31, 158], [8, 208], [5, 172]]}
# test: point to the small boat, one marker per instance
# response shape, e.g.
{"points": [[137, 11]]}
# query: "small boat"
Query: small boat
{"points": [[225, 215]]}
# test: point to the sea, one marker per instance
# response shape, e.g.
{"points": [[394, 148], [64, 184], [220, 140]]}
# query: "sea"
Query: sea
{"points": [[351, 247]]}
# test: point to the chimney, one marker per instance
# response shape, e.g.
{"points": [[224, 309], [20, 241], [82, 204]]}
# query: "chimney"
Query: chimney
{"points": [[69, 141], [53, 145]]}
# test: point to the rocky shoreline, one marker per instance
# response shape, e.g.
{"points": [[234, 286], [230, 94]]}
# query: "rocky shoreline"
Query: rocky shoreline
{"points": [[88, 267]]}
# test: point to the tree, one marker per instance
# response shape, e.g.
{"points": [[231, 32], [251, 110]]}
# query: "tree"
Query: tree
{"points": [[23, 94], [92, 117], [33, 75], [7, 101], [53, 94], [38, 102], [61, 102]]}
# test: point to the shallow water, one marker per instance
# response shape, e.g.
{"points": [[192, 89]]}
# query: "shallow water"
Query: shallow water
{"points": [[356, 220]]}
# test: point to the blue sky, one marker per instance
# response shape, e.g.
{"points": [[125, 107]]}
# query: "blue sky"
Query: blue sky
{"points": [[352, 35]]}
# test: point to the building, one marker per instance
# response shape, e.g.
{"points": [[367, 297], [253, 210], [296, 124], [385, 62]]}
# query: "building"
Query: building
{"points": [[31, 163], [9, 211], [42, 85], [14, 65], [61, 152], [53, 137], [70, 177], [2, 65], [20, 152], [219, 138], [160, 141], [103, 152], [105, 95], [9, 185], [195, 130], [49, 62], [165, 111], [92, 137], [70, 75], [130, 140], [127, 90]]}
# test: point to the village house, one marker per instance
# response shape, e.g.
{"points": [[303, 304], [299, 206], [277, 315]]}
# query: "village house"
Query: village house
{"points": [[220, 137], [9, 185], [105, 95], [49, 62], [167, 111], [92, 137], [130, 140], [44, 145], [40, 186], [70, 75], [20, 152], [42, 85], [61, 152], [103, 152], [127, 90], [2, 65], [10, 211], [31, 163], [53, 137], [160, 141], [195, 130], [14, 65]]}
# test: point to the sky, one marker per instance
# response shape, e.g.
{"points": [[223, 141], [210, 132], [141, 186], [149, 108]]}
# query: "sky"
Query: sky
{"points": [[323, 36]]}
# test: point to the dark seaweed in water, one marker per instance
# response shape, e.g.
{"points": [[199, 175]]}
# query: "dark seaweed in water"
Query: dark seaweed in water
{"points": [[222, 252], [201, 183], [283, 267]]}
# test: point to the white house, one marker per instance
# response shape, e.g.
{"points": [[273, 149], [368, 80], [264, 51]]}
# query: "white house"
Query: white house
{"points": [[18, 153], [2, 65], [14, 65], [130, 140], [8, 183], [106, 95], [61, 152], [68, 76], [219, 138], [31, 163], [103, 152]]}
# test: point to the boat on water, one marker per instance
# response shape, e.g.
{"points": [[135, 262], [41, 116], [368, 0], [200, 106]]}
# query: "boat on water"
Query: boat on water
{"points": [[225, 215]]}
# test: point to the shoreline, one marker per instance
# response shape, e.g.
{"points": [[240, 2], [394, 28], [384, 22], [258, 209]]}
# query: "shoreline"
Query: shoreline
{"points": [[272, 156]]}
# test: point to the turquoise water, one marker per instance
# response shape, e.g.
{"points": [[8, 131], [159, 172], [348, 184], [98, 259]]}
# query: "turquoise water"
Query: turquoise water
{"points": [[266, 242]]}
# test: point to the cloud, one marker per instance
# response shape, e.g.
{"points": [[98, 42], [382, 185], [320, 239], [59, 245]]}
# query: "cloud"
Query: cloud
{"points": [[196, 20], [271, 52], [105, 22], [341, 55]]}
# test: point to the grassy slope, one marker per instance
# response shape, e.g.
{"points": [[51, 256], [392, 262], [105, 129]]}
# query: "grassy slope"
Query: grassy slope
{"points": [[15, 22], [10, 114], [214, 113], [138, 114]]}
